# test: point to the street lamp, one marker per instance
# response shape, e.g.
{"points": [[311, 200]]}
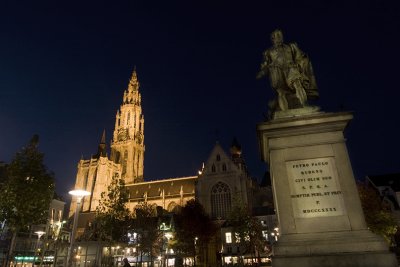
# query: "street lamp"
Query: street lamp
{"points": [[79, 194], [39, 234], [194, 258]]}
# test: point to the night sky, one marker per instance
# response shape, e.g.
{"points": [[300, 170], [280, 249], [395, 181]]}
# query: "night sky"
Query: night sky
{"points": [[64, 67]]}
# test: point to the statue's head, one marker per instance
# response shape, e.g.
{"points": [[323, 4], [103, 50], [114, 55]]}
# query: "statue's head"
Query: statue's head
{"points": [[277, 37]]}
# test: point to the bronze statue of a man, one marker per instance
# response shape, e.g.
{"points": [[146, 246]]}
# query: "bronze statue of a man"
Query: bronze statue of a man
{"points": [[290, 73]]}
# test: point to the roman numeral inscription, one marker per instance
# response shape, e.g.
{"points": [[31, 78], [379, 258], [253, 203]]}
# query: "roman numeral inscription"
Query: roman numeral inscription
{"points": [[314, 188]]}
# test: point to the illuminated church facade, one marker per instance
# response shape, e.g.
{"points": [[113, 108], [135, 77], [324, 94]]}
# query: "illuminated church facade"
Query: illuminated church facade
{"points": [[222, 177]]}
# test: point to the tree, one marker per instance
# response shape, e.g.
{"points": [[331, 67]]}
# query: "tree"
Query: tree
{"points": [[378, 217], [149, 236], [246, 228], [27, 191], [3, 174], [112, 218], [112, 215], [194, 229]]}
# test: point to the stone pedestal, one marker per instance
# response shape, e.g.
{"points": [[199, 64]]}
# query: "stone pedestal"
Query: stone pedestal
{"points": [[315, 195]]}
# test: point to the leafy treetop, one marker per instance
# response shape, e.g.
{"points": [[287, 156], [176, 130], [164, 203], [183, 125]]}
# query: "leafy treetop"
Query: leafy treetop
{"points": [[378, 217], [27, 190]]}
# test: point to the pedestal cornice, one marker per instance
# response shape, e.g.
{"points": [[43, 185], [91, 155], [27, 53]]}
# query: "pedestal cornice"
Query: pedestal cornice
{"points": [[300, 125]]}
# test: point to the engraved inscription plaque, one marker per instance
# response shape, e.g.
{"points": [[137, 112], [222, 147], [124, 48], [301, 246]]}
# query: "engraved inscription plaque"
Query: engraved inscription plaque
{"points": [[314, 188]]}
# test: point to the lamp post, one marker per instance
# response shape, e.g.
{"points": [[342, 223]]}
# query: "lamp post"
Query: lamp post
{"points": [[194, 258], [39, 234], [79, 194]]}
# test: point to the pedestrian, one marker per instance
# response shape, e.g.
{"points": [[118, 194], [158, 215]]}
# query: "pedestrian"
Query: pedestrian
{"points": [[126, 263]]}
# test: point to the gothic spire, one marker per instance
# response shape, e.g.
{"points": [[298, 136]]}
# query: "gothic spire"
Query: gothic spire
{"points": [[103, 137], [133, 83], [127, 146], [131, 94], [102, 148]]}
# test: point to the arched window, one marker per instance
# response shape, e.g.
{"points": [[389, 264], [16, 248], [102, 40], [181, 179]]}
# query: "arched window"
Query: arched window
{"points": [[224, 167], [128, 118], [220, 201], [218, 157], [213, 168]]}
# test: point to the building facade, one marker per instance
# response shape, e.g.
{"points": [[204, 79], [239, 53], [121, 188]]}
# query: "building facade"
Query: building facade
{"points": [[126, 160], [222, 181]]}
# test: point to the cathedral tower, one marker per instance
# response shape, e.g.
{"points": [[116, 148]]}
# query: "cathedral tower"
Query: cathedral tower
{"points": [[127, 151], [127, 146]]}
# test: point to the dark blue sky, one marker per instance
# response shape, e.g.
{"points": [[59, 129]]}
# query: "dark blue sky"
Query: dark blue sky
{"points": [[64, 67]]}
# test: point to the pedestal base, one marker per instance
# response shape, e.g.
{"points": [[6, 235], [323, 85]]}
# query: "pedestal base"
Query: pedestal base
{"points": [[344, 248]]}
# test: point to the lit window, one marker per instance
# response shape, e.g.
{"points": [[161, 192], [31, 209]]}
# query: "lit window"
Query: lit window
{"points": [[228, 238], [265, 234], [247, 238], [237, 237]]}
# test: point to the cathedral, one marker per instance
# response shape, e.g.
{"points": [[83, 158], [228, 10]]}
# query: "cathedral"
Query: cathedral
{"points": [[222, 177]]}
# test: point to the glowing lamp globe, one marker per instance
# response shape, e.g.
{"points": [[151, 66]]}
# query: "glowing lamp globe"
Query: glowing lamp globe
{"points": [[79, 193]]}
